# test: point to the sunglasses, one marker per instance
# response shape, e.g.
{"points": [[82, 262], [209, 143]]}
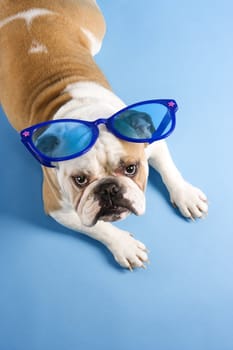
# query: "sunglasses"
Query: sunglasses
{"points": [[63, 139]]}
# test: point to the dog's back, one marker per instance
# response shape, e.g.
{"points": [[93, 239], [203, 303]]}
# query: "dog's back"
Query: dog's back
{"points": [[44, 46]]}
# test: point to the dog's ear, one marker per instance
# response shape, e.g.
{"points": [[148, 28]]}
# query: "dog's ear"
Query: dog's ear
{"points": [[51, 191]]}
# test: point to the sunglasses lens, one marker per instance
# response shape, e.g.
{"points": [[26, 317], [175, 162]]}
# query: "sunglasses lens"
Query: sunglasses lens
{"points": [[145, 121], [62, 139]]}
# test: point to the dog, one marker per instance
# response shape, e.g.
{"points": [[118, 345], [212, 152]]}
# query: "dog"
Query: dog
{"points": [[47, 72]]}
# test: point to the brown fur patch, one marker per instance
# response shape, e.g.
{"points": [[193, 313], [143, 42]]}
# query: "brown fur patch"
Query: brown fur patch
{"points": [[51, 191], [31, 85]]}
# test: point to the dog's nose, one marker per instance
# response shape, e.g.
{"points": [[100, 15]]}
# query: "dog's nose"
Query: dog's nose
{"points": [[109, 193], [109, 189]]}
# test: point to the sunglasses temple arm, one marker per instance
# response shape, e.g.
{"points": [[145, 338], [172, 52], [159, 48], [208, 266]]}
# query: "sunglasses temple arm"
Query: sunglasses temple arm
{"points": [[164, 123]]}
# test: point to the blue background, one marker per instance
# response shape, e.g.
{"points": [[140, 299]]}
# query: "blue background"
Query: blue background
{"points": [[61, 290]]}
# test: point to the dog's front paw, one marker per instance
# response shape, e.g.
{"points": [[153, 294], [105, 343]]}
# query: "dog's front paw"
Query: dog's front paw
{"points": [[129, 252], [191, 201]]}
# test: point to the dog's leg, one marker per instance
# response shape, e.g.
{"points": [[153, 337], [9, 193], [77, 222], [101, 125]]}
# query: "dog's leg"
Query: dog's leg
{"points": [[191, 201], [127, 251]]}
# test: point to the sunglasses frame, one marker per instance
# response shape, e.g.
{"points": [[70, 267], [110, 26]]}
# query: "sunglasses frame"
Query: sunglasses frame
{"points": [[27, 134]]}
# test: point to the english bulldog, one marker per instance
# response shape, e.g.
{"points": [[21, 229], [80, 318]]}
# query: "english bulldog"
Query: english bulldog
{"points": [[47, 73]]}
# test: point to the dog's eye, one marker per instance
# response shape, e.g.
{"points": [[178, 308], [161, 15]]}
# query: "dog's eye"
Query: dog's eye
{"points": [[131, 170], [80, 180]]}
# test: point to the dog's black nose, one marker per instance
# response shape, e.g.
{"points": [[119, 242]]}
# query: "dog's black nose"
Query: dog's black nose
{"points": [[109, 190], [109, 193]]}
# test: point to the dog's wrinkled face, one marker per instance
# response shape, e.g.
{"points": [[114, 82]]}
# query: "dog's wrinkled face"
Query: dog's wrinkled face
{"points": [[108, 182]]}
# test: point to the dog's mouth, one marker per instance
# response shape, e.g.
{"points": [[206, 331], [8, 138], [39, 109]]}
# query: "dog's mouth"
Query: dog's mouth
{"points": [[112, 214], [115, 213]]}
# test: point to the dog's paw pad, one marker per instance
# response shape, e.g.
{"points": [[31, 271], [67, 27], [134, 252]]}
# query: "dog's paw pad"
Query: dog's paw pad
{"points": [[129, 252], [190, 200]]}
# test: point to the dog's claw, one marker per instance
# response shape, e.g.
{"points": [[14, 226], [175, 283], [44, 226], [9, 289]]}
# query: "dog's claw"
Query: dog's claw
{"points": [[130, 267]]}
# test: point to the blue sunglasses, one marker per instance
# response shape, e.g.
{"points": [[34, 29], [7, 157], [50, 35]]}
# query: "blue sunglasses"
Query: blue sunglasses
{"points": [[63, 139]]}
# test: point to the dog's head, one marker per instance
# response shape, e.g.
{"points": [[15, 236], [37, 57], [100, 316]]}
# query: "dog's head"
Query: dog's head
{"points": [[107, 183]]}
